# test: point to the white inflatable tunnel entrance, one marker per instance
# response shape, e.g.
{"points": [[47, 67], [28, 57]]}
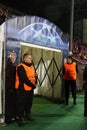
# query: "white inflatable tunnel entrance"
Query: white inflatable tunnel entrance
{"points": [[47, 44]]}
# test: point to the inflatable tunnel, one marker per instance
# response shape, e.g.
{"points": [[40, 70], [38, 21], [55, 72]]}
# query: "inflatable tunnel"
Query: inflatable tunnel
{"points": [[45, 42]]}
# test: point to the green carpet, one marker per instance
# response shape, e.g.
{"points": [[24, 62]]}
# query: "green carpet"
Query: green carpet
{"points": [[54, 116]]}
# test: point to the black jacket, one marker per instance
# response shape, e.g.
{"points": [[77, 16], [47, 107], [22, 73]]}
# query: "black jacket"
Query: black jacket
{"points": [[10, 75]]}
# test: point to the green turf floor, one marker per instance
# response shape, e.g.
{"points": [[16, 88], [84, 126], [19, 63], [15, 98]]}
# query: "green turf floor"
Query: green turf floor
{"points": [[54, 116]]}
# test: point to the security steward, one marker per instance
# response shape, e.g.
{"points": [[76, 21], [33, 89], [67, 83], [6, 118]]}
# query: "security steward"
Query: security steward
{"points": [[70, 71], [25, 84]]}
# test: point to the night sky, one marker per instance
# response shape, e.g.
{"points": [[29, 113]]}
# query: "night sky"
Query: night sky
{"points": [[57, 11]]}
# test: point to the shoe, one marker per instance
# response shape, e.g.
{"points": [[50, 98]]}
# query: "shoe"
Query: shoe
{"points": [[20, 123], [8, 120], [29, 118]]}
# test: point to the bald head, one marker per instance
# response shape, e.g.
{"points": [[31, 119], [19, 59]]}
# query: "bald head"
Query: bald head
{"points": [[27, 58]]}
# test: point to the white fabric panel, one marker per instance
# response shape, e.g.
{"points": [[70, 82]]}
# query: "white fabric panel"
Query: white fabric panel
{"points": [[2, 38], [2, 90], [58, 84], [0, 77]]}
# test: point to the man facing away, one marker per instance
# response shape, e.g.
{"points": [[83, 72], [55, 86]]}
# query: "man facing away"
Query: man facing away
{"points": [[25, 84], [70, 71]]}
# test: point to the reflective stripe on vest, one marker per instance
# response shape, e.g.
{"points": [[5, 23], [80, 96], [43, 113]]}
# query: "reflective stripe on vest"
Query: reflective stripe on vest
{"points": [[30, 73], [70, 71]]}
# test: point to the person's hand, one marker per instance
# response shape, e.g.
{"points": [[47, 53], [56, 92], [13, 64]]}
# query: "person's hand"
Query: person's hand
{"points": [[36, 78]]}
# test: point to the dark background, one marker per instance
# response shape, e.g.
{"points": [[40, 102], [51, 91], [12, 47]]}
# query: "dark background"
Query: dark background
{"points": [[57, 11]]}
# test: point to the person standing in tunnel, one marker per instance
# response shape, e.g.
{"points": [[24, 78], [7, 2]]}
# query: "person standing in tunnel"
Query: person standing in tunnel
{"points": [[10, 95], [25, 85], [70, 71]]}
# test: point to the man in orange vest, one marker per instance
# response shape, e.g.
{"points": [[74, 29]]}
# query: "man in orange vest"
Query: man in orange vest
{"points": [[25, 84], [70, 71]]}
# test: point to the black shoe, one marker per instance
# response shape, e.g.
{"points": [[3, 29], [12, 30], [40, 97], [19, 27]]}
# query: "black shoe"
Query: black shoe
{"points": [[28, 118], [8, 120], [20, 123]]}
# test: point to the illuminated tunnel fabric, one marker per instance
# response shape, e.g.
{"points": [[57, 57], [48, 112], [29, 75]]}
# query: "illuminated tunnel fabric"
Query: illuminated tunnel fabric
{"points": [[36, 30]]}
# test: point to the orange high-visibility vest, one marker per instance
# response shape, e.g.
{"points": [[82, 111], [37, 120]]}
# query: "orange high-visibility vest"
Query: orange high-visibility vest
{"points": [[30, 73], [70, 71]]}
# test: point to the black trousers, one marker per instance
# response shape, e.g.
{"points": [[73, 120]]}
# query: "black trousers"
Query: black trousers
{"points": [[70, 84], [24, 103], [10, 105]]}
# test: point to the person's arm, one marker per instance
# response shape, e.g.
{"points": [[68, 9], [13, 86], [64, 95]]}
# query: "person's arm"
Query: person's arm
{"points": [[23, 78], [76, 68]]}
